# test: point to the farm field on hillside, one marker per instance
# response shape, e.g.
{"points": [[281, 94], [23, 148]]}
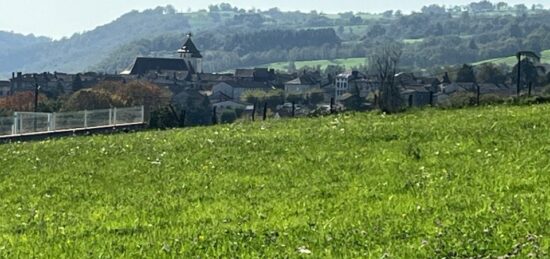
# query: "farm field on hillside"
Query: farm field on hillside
{"points": [[512, 60], [348, 62], [424, 184]]}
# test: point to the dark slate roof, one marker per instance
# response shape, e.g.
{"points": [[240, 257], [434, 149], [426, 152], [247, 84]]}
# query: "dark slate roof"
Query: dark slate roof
{"points": [[249, 84], [244, 73], [142, 65], [189, 47]]}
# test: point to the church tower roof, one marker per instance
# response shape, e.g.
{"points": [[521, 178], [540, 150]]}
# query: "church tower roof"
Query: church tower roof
{"points": [[190, 48]]}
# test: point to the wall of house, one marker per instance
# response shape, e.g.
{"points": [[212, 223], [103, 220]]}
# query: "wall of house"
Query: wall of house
{"points": [[300, 89]]}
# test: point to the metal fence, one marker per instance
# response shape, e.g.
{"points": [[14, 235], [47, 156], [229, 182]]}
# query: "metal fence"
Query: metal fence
{"points": [[33, 122]]}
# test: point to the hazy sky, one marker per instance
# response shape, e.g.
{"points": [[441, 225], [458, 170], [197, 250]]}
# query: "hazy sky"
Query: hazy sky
{"points": [[58, 18]]}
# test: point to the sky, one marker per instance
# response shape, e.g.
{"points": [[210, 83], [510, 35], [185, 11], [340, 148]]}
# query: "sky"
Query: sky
{"points": [[59, 18]]}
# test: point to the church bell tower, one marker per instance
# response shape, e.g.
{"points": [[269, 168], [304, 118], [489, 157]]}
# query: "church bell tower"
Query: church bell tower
{"points": [[191, 54]]}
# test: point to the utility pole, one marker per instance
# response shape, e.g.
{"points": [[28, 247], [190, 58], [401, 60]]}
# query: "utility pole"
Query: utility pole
{"points": [[518, 86], [36, 88]]}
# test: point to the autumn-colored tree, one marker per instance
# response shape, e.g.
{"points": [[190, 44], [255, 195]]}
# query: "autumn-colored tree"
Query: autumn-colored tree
{"points": [[118, 94], [90, 99], [20, 101]]}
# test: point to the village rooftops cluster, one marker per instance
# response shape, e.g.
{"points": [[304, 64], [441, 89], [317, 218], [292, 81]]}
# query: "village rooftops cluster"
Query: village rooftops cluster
{"points": [[184, 77]]}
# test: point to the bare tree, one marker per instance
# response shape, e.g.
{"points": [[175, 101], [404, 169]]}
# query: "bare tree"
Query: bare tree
{"points": [[385, 64]]}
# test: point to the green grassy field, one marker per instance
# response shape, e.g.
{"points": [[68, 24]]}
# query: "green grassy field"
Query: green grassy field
{"points": [[424, 184], [348, 62], [512, 60]]}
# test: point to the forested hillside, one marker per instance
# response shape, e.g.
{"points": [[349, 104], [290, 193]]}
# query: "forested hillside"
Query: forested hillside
{"points": [[231, 37]]}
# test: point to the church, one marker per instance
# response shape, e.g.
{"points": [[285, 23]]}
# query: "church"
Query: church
{"points": [[188, 63]]}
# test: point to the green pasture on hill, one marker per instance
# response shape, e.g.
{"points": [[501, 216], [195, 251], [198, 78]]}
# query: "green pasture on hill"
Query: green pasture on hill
{"points": [[424, 184], [512, 60], [347, 62]]}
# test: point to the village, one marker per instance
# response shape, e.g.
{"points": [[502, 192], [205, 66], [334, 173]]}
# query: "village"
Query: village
{"points": [[247, 91]]}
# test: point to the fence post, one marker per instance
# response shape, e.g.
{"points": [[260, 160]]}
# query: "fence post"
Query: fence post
{"points": [[332, 105], [254, 112], [215, 115], [15, 122], [142, 114], [114, 116], [265, 112], [85, 119], [54, 118], [110, 116], [20, 123], [293, 109], [49, 122]]}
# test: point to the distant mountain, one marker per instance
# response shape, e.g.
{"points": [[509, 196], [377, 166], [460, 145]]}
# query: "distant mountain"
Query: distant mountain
{"points": [[81, 51]]}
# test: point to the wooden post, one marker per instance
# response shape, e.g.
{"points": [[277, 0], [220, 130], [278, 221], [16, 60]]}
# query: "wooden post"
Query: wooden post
{"points": [[530, 88], [332, 105], [410, 100], [478, 89], [265, 111], [375, 100], [182, 118], [214, 116], [431, 98], [293, 109]]}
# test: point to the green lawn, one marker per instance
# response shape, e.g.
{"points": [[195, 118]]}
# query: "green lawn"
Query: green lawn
{"points": [[424, 184], [512, 60], [348, 62]]}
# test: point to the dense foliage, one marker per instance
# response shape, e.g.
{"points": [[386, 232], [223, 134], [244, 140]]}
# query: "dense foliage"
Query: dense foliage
{"points": [[426, 184]]}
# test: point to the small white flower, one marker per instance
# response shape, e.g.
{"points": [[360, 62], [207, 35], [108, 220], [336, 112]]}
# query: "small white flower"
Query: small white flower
{"points": [[304, 250]]}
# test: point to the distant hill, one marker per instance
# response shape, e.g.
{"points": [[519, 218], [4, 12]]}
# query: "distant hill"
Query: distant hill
{"points": [[81, 51], [230, 37]]}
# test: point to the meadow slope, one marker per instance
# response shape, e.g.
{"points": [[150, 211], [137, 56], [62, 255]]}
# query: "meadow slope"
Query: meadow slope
{"points": [[428, 183]]}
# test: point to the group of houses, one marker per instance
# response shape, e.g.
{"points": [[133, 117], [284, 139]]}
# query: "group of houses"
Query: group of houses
{"points": [[185, 77]]}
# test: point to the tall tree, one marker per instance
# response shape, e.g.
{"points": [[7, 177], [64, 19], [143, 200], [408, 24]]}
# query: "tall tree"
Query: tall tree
{"points": [[490, 73], [385, 64]]}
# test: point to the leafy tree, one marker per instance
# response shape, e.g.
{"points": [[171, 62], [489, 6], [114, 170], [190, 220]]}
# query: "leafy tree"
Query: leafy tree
{"points": [[315, 97], [376, 31], [200, 114], [89, 99], [20, 101], [466, 74], [490, 73], [77, 83], [228, 116], [529, 72]]}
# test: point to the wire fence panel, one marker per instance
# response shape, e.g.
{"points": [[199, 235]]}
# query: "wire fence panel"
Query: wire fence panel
{"points": [[6, 126], [99, 118], [29, 122], [129, 115], [69, 120]]}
